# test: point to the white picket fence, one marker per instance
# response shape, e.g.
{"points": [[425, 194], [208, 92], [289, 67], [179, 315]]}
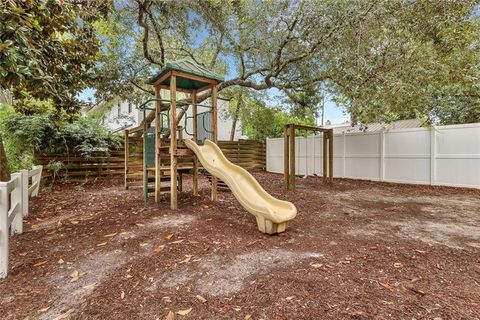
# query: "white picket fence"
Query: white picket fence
{"points": [[443, 155], [14, 196]]}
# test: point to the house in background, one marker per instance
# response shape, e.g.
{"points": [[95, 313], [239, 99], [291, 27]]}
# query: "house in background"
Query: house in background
{"points": [[120, 115]]}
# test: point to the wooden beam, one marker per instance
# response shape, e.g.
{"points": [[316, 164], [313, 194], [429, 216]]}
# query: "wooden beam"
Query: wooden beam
{"points": [[311, 128], [193, 77], [195, 138], [215, 136], [173, 143], [330, 156], [126, 148], [163, 78], [158, 144]]}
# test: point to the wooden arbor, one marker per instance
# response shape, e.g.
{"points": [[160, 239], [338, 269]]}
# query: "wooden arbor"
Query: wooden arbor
{"points": [[190, 79], [289, 153]]}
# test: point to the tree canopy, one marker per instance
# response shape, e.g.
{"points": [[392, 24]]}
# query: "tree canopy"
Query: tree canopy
{"points": [[48, 49], [382, 60]]}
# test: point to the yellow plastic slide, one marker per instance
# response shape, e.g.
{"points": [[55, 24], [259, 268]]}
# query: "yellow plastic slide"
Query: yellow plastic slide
{"points": [[272, 214]]}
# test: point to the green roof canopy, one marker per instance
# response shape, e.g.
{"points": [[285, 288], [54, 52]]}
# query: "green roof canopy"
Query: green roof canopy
{"points": [[188, 68]]}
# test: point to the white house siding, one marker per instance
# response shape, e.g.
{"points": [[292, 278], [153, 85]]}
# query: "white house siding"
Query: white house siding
{"points": [[121, 117]]}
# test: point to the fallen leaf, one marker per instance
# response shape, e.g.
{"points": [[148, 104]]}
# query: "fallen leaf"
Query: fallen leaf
{"points": [[170, 236], [60, 261], [248, 317], [187, 259], [205, 206], [200, 298], [43, 310], [23, 254], [39, 264], [159, 248], [64, 315], [184, 312], [102, 244], [289, 298], [386, 285], [316, 265], [397, 265], [73, 221], [139, 224], [74, 274], [170, 316], [178, 241], [110, 235], [89, 286], [34, 226], [122, 295]]}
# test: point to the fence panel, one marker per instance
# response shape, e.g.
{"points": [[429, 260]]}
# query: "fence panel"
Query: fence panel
{"points": [[11, 217], [14, 196], [444, 155]]}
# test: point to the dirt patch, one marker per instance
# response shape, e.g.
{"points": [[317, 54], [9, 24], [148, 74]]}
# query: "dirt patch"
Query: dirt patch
{"points": [[78, 280], [388, 251], [215, 276]]}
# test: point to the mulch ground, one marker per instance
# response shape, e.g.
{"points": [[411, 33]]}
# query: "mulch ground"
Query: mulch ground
{"points": [[356, 250]]}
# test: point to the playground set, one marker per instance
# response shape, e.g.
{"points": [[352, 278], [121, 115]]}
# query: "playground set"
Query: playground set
{"points": [[168, 156]]}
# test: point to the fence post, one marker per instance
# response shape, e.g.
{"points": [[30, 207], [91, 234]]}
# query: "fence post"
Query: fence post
{"points": [[17, 222], [36, 179], [24, 174], [382, 156], [3, 229], [344, 154], [433, 155]]}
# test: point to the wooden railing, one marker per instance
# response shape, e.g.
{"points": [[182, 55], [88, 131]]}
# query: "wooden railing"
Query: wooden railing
{"points": [[14, 196]]}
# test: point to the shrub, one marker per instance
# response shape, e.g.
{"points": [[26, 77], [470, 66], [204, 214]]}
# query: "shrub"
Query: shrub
{"points": [[25, 135]]}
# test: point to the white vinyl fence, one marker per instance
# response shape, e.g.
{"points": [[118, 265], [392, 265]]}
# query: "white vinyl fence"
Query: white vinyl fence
{"points": [[14, 196], [443, 155]]}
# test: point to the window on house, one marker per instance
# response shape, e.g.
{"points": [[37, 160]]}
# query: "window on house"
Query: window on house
{"points": [[129, 107], [119, 110]]}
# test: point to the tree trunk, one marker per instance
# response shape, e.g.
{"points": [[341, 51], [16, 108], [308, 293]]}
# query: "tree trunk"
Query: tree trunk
{"points": [[235, 115], [4, 168]]}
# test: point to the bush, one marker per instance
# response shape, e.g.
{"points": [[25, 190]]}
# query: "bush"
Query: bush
{"points": [[25, 135]]}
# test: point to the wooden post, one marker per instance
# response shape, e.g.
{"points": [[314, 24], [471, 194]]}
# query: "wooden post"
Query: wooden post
{"points": [[330, 156], [127, 154], [173, 142], [17, 222], [286, 157], [25, 187], [195, 138], [292, 157], [325, 156], [158, 160], [180, 173], [4, 200], [215, 137]]}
